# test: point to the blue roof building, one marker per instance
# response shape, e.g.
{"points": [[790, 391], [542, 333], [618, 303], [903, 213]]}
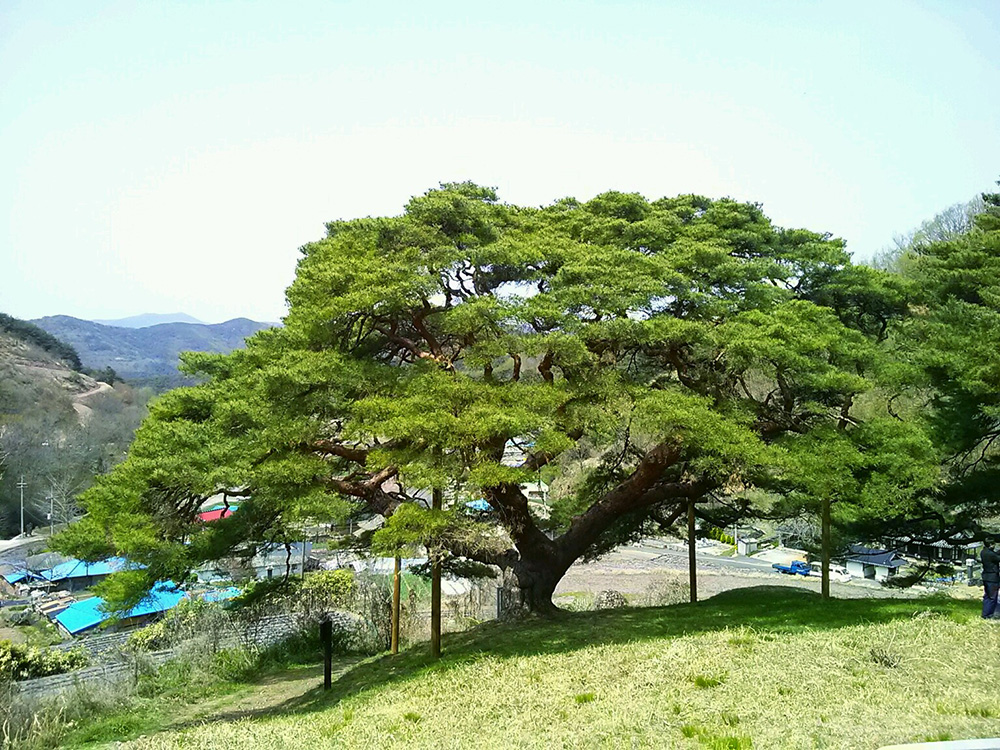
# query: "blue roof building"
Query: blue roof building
{"points": [[87, 614], [10, 578], [15, 577], [75, 575]]}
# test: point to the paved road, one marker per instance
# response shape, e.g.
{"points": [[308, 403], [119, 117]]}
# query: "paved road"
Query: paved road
{"points": [[17, 548], [672, 556], [675, 556]]}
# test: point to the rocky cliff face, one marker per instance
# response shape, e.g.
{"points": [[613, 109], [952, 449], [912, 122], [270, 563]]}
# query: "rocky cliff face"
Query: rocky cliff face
{"points": [[30, 366]]}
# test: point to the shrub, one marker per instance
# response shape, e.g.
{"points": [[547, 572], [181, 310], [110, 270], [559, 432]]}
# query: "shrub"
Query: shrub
{"points": [[579, 601], [19, 662], [374, 605], [191, 619], [322, 593], [610, 599], [719, 535], [667, 590]]}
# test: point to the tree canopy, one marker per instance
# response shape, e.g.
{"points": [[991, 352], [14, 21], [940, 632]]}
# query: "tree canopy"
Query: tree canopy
{"points": [[649, 353], [951, 344]]}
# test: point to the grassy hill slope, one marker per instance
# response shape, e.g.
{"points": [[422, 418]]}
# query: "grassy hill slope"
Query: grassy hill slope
{"points": [[756, 668], [58, 427], [36, 381]]}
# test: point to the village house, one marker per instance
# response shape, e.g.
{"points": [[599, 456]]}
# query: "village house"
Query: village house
{"points": [[86, 615], [943, 551], [877, 564]]}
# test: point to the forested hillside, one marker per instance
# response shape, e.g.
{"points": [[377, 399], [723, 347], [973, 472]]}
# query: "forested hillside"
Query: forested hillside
{"points": [[147, 356], [59, 427]]}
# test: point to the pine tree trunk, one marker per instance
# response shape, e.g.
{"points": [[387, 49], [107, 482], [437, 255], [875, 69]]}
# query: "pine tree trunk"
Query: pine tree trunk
{"points": [[537, 587]]}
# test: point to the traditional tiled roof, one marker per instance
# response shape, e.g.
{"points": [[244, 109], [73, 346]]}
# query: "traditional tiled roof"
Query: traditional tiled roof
{"points": [[871, 556]]}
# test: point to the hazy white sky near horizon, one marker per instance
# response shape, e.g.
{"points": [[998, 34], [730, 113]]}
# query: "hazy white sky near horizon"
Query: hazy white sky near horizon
{"points": [[172, 156]]}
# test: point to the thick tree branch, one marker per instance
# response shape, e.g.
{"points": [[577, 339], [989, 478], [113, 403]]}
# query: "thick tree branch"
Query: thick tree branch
{"points": [[545, 368], [503, 560], [336, 448], [409, 344], [420, 326], [512, 508], [635, 492], [668, 521], [363, 490]]}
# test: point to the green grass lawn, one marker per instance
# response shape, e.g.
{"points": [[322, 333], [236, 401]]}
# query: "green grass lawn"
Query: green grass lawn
{"points": [[768, 667]]}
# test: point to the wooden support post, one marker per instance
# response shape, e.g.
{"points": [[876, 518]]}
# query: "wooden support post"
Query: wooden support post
{"points": [[826, 543], [692, 563], [326, 636], [395, 606], [436, 590]]}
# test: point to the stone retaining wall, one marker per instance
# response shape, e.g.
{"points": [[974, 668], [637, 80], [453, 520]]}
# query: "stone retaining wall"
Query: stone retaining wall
{"points": [[114, 667], [105, 675]]}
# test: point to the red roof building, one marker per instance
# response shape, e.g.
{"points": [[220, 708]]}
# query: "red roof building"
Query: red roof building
{"points": [[215, 515]]}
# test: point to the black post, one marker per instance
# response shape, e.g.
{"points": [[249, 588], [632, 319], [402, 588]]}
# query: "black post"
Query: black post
{"points": [[326, 636]]}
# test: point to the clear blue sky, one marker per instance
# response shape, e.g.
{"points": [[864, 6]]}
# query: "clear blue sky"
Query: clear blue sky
{"points": [[173, 156]]}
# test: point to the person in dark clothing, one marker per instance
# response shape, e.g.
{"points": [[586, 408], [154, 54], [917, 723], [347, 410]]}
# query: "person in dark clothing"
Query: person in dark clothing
{"points": [[991, 577]]}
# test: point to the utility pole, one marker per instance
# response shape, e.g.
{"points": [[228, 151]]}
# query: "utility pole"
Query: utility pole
{"points": [[305, 535], [21, 485]]}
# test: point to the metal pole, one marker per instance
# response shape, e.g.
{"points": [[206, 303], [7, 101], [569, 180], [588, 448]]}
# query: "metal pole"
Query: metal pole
{"points": [[825, 553], [304, 537], [52, 513]]}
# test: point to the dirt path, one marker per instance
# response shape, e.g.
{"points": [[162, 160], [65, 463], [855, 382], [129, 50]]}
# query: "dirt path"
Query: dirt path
{"points": [[99, 388], [272, 694], [82, 409]]}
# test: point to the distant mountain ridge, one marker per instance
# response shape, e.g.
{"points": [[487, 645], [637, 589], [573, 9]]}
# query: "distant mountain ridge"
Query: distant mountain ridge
{"points": [[149, 355], [150, 319]]}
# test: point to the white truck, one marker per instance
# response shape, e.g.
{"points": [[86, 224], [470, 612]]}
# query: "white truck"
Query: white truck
{"points": [[838, 573]]}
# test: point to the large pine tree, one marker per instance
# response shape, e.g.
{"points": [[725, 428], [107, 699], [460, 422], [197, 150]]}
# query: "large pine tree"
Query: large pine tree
{"points": [[650, 353]]}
